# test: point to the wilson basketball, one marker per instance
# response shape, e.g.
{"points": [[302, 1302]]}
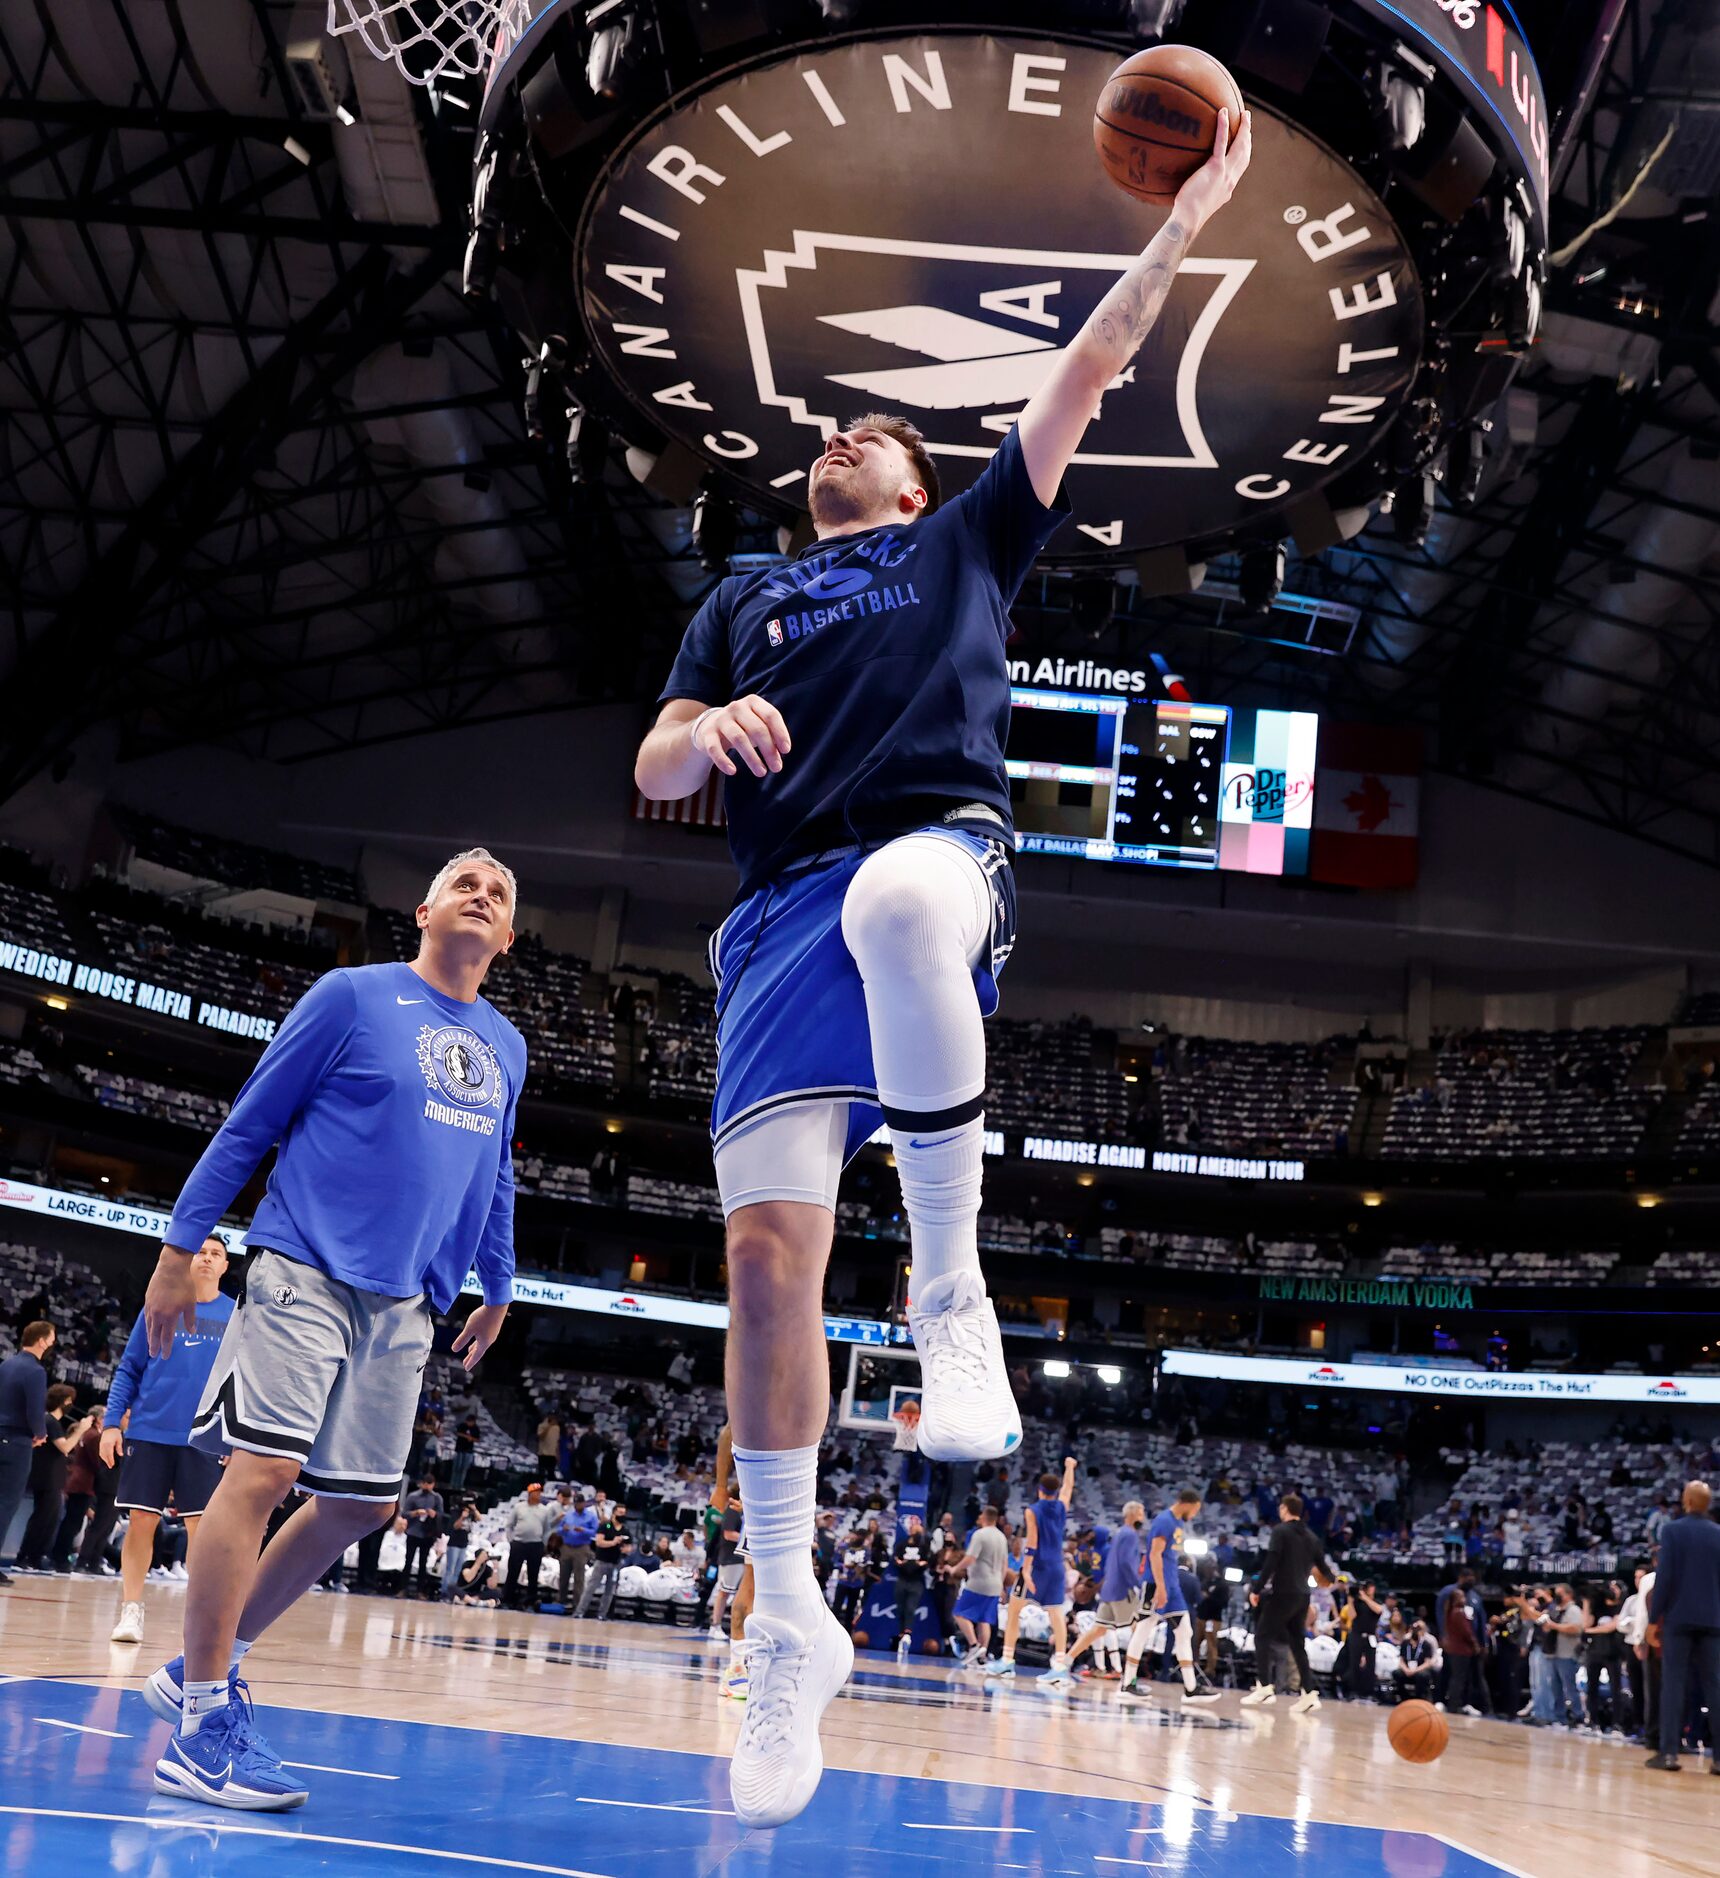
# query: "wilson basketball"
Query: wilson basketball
{"points": [[1417, 1731], [860, 1639], [1156, 118]]}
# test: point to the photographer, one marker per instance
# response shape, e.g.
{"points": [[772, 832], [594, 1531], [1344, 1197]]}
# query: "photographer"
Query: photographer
{"points": [[1603, 1656], [1359, 1613], [478, 1580], [459, 1537], [1418, 1665]]}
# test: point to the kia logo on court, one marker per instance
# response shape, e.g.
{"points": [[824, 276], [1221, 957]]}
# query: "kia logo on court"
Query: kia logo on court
{"points": [[919, 224]]}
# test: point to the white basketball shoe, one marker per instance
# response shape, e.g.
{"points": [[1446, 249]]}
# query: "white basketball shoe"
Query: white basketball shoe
{"points": [[129, 1629], [967, 1409], [792, 1680]]}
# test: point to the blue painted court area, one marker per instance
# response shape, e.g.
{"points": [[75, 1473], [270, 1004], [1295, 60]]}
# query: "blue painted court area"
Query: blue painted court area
{"points": [[403, 1797]]}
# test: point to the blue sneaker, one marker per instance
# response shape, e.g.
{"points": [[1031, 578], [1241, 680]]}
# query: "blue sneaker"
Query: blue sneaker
{"points": [[227, 1763], [165, 1690]]}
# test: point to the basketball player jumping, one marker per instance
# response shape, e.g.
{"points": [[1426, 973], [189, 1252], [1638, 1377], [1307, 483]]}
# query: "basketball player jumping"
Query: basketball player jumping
{"points": [[857, 700], [391, 1092]]}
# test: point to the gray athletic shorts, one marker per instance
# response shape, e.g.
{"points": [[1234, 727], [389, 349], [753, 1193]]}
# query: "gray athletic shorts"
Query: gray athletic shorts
{"points": [[1119, 1613], [316, 1371]]}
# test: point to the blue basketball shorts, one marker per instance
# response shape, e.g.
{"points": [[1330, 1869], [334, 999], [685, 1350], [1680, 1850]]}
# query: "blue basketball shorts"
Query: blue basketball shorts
{"points": [[976, 1608], [792, 1032]]}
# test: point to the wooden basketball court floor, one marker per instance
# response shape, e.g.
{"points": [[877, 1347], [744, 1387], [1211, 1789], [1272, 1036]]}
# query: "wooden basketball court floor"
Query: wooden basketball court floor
{"points": [[444, 1740]]}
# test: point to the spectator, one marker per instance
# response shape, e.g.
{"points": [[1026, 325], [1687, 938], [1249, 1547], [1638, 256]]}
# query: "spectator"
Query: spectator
{"points": [[1603, 1656], [576, 1528], [23, 1419], [81, 1464], [549, 1444], [851, 1579], [1684, 1618], [1462, 1652], [477, 1580], [465, 1446], [688, 1555], [48, 1468], [1418, 1664], [608, 1551], [528, 1526], [1563, 1623], [1633, 1628], [92, 1553], [911, 1557], [423, 1510], [454, 1557]]}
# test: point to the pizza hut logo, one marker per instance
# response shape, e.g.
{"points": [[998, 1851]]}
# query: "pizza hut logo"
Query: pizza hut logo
{"points": [[629, 1307], [1667, 1391], [747, 303], [1325, 1373]]}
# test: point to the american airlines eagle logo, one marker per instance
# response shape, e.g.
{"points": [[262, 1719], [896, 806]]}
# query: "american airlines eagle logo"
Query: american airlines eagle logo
{"points": [[965, 364]]}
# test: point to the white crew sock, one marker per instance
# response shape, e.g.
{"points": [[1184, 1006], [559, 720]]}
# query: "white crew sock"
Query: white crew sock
{"points": [[940, 1176], [1182, 1642], [777, 1489], [202, 1699], [240, 1646]]}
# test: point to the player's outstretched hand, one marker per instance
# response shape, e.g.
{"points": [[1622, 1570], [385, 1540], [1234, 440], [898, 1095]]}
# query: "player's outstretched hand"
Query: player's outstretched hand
{"points": [[1213, 184], [478, 1332], [752, 728], [170, 1303]]}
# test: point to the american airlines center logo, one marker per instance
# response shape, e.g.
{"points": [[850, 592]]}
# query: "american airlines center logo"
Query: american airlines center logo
{"points": [[920, 224]]}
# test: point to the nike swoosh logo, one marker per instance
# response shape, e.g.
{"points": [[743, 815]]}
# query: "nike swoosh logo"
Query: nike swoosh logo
{"points": [[400, 1000]]}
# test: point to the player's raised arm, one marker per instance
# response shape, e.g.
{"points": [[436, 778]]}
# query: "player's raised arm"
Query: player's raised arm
{"points": [[1058, 414]]}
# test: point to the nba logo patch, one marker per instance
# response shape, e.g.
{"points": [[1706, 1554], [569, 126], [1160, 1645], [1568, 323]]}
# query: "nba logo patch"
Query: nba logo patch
{"points": [[773, 631]]}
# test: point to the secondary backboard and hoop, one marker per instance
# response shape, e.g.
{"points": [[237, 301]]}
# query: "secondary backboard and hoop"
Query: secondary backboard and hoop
{"points": [[883, 1385]]}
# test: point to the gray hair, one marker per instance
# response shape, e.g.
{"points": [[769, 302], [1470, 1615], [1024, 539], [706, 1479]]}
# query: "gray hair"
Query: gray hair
{"points": [[450, 868]]}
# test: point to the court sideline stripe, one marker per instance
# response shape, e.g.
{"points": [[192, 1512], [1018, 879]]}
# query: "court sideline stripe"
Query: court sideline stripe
{"points": [[654, 1806], [1481, 1858], [81, 1728], [358, 1773], [203, 1824], [917, 1825]]}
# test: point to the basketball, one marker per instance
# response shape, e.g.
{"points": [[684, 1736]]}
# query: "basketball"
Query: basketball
{"points": [[860, 1639], [932, 1647], [1157, 116], [1417, 1731]]}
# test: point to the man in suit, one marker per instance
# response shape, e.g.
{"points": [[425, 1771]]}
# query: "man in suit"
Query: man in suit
{"points": [[1684, 1617]]}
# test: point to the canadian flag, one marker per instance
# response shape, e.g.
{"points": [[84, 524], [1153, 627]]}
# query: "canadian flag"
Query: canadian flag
{"points": [[1367, 806]]}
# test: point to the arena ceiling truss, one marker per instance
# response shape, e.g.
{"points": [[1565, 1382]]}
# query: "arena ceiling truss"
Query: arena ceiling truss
{"points": [[268, 480]]}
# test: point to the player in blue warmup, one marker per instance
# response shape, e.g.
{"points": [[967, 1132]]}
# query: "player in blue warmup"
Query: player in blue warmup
{"points": [[1168, 1605], [1120, 1592], [156, 1461], [1044, 1577], [857, 700], [390, 1091]]}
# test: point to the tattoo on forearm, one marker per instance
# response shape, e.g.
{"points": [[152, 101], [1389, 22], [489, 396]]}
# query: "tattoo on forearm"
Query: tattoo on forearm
{"points": [[1126, 314]]}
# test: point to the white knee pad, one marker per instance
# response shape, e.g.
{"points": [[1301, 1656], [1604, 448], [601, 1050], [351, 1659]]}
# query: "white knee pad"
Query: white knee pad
{"points": [[917, 905], [1182, 1637], [1145, 1636]]}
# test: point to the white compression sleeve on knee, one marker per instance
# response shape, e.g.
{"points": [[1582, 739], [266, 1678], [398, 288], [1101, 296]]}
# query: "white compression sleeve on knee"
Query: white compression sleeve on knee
{"points": [[916, 916]]}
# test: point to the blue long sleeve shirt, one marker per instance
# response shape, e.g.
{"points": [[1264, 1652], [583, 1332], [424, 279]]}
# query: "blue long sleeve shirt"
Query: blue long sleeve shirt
{"points": [[162, 1392], [393, 1107]]}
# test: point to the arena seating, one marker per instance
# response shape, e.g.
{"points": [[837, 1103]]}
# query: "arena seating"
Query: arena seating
{"points": [[681, 1048], [1542, 1482], [89, 1322], [137, 1095], [1194, 1252], [20, 1066], [236, 864], [571, 1044], [497, 1450], [1700, 1133], [1526, 1095], [30, 917], [1685, 1267], [1255, 1098], [219, 973], [1042, 1080]]}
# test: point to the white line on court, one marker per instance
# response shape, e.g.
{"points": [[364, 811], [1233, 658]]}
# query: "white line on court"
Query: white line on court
{"points": [[358, 1773], [915, 1825], [1481, 1858], [655, 1806], [201, 1823], [78, 1728], [1104, 1858]]}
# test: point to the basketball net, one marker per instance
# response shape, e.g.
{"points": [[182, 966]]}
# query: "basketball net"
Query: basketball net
{"points": [[431, 39], [907, 1420]]}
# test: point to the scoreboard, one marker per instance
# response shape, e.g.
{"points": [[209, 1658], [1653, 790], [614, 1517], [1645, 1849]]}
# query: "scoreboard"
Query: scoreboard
{"points": [[1161, 784]]}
